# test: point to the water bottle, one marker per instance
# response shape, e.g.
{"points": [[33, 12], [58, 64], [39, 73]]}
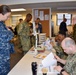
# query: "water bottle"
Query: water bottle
{"points": [[34, 68]]}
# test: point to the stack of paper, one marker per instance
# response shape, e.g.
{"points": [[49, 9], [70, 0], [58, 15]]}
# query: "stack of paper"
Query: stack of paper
{"points": [[49, 60]]}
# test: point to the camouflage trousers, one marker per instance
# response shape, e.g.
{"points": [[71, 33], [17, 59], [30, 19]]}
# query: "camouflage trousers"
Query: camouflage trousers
{"points": [[25, 42]]}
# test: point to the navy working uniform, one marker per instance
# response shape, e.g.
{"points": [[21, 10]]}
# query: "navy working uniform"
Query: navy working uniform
{"points": [[6, 48]]}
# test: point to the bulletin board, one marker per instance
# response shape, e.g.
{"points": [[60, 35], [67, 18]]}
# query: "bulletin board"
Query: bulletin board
{"points": [[44, 15]]}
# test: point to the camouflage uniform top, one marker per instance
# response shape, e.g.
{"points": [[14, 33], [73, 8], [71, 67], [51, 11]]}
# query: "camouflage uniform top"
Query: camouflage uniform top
{"points": [[70, 65], [24, 29], [17, 27], [60, 52]]}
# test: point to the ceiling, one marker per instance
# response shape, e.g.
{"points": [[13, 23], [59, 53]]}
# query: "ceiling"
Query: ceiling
{"points": [[55, 6]]}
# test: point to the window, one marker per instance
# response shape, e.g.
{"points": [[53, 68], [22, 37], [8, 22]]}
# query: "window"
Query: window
{"points": [[15, 19], [60, 17]]}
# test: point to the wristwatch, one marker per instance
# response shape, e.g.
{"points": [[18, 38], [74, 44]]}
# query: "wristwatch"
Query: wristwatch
{"points": [[62, 71]]}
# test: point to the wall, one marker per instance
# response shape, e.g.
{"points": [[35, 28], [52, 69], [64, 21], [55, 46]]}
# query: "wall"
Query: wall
{"points": [[56, 27], [9, 21]]}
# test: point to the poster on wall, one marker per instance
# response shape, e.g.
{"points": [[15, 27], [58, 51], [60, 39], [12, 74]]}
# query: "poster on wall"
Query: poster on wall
{"points": [[36, 14], [46, 17], [41, 16]]}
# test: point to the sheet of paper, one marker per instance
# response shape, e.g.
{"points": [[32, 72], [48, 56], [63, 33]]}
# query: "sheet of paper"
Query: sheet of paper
{"points": [[49, 60]]}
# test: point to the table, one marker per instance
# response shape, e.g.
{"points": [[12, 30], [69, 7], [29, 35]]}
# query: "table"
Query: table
{"points": [[23, 67]]}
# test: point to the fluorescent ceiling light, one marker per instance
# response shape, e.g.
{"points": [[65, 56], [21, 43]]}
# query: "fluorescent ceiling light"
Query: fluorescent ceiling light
{"points": [[20, 9], [62, 13], [17, 15]]}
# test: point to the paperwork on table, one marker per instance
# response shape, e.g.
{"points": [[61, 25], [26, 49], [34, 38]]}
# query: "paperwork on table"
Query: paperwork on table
{"points": [[49, 60]]}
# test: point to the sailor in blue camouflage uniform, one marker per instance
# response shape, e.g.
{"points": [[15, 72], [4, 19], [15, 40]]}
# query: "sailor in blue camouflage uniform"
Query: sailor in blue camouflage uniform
{"points": [[6, 47]]}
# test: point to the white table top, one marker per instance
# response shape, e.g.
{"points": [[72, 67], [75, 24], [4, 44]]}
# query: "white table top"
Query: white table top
{"points": [[23, 67]]}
